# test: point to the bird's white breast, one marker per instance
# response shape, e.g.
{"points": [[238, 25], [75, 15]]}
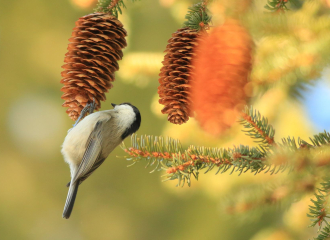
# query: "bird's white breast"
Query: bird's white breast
{"points": [[74, 144]]}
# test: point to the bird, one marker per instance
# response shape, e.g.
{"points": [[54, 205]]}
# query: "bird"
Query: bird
{"points": [[91, 140]]}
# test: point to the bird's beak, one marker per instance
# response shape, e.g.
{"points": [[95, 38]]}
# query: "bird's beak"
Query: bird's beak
{"points": [[113, 104]]}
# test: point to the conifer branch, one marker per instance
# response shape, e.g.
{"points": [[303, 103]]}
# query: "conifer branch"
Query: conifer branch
{"points": [[277, 5], [258, 128], [182, 164], [319, 211], [110, 6], [325, 234], [198, 17], [320, 139], [256, 197]]}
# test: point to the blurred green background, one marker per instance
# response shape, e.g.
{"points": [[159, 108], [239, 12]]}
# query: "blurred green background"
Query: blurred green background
{"points": [[119, 202]]}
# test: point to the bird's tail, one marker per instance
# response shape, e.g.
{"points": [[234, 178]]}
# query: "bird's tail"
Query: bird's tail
{"points": [[70, 200]]}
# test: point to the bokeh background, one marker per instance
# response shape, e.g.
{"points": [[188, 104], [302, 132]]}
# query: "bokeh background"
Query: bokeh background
{"points": [[292, 90]]}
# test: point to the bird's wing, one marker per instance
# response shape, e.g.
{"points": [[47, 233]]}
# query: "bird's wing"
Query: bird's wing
{"points": [[91, 159], [98, 163]]}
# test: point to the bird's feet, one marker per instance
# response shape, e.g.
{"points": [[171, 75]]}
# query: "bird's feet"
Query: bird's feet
{"points": [[89, 108], [92, 106]]}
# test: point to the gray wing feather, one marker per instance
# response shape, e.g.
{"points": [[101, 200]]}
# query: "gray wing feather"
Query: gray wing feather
{"points": [[92, 153], [95, 166], [87, 174]]}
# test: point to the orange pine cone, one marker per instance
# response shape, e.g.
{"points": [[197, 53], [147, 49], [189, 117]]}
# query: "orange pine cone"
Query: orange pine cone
{"points": [[96, 46], [222, 67], [175, 76]]}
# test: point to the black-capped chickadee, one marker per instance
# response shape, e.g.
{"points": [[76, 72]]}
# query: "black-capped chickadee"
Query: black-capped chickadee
{"points": [[89, 143]]}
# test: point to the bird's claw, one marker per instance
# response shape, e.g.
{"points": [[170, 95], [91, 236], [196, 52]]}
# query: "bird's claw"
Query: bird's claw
{"points": [[89, 107]]}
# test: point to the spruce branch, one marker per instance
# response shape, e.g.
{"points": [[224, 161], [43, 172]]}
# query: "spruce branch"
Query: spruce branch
{"points": [[319, 211], [277, 5], [258, 128], [320, 139], [198, 17], [257, 197], [167, 154], [183, 164], [324, 234], [110, 6]]}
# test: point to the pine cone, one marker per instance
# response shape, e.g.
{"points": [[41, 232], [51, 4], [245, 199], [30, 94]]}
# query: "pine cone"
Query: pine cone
{"points": [[96, 46], [222, 67], [175, 76]]}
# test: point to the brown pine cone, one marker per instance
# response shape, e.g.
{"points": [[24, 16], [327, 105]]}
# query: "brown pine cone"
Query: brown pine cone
{"points": [[222, 68], [96, 46], [175, 76]]}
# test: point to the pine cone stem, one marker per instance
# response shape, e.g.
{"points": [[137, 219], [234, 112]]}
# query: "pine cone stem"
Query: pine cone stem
{"points": [[113, 4]]}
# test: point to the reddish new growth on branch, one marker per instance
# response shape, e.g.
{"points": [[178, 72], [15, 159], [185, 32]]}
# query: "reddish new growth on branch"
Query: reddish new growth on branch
{"points": [[270, 140], [113, 4], [188, 162], [91, 61], [175, 76], [222, 67]]}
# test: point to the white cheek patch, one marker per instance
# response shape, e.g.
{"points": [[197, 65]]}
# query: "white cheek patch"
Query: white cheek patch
{"points": [[123, 107], [126, 115]]}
